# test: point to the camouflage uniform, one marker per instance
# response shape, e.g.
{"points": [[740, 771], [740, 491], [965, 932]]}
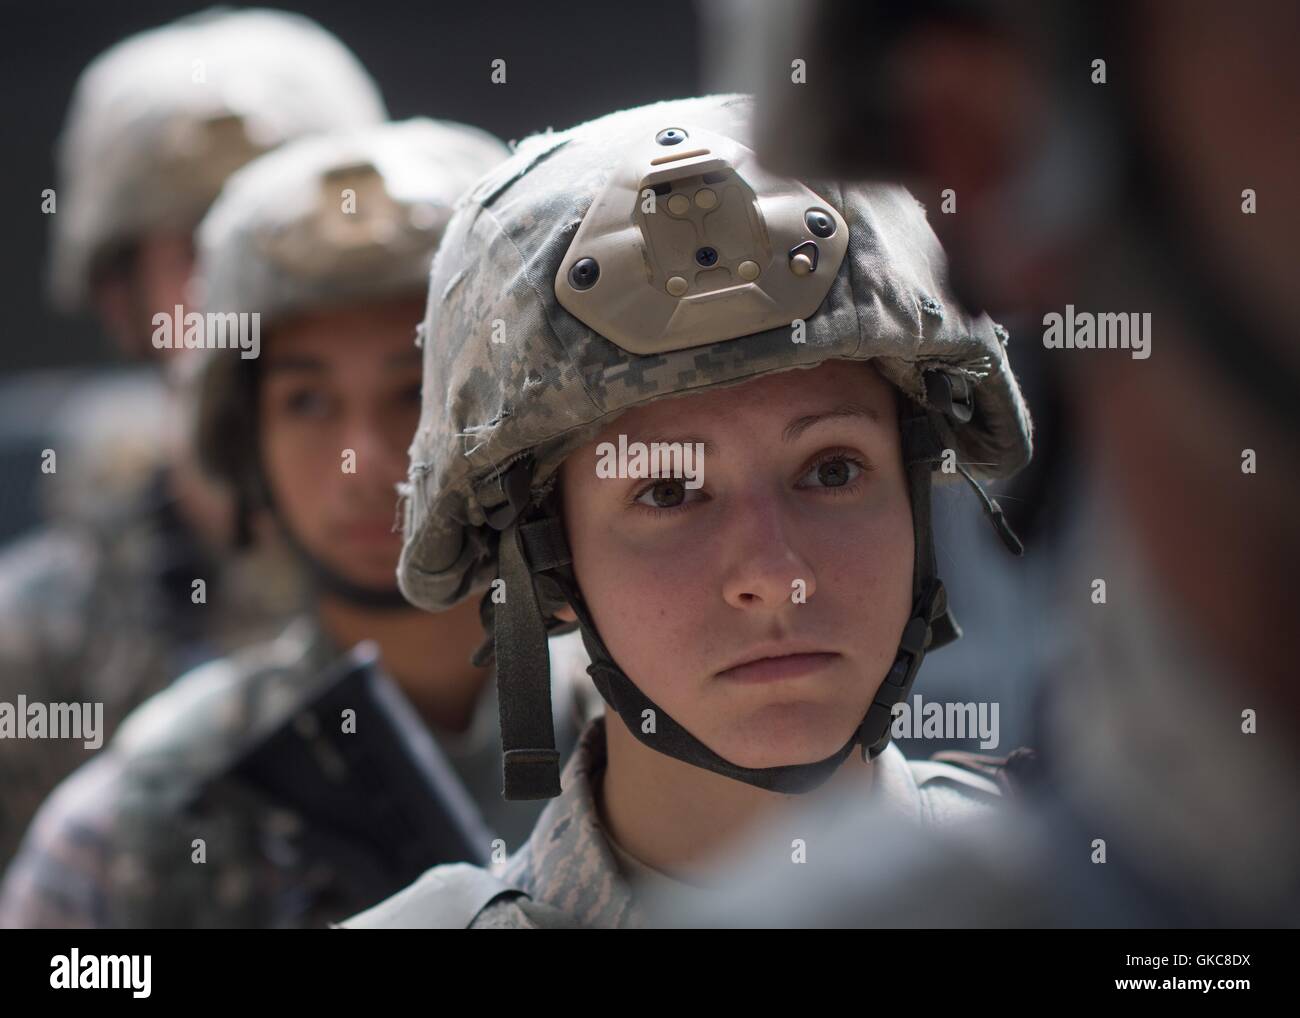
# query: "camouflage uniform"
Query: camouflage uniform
{"points": [[97, 607], [113, 846], [571, 873], [584, 246], [278, 241]]}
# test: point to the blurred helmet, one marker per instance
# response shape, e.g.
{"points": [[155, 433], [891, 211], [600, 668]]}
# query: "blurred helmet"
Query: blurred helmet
{"points": [[160, 120], [323, 222]]}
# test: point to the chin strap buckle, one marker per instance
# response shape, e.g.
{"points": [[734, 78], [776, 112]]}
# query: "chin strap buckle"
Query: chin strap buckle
{"points": [[873, 734], [531, 774]]}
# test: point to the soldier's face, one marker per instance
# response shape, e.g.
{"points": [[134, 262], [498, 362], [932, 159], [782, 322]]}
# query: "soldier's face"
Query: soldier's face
{"points": [[339, 401], [763, 610], [157, 281]]}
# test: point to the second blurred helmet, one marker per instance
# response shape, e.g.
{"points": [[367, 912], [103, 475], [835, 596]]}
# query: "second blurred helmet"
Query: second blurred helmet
{"points": [[323, 222]]}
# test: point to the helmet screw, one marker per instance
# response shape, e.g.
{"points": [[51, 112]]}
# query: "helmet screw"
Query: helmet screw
{"points": [[671, 136], [803, 259], [584, 273], [819, 223], [707, 256]]}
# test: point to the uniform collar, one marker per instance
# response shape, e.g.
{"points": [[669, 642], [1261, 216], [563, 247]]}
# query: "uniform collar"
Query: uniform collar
{"points": [[570, 861], [896, 790]]}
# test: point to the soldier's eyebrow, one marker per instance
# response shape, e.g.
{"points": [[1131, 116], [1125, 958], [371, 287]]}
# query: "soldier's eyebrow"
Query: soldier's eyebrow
{"points": [[294, 362], [801, 424], [792, 430], [704, 444]]}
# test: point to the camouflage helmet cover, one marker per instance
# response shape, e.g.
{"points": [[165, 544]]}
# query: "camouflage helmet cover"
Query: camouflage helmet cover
{"points": [[510, 373]]}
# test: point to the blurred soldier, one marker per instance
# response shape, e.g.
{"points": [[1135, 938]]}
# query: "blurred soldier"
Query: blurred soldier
{"points": [[753, 615], [1101, 150], [100, 607], [329, 240]]}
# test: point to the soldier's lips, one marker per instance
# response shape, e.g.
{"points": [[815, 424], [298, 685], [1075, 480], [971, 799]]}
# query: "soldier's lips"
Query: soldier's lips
{"points": [[776, 667]]}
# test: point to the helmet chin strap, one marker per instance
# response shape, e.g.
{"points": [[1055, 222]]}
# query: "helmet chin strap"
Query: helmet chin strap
{"points": [[538, 549], [669, 737], [328, 580]]}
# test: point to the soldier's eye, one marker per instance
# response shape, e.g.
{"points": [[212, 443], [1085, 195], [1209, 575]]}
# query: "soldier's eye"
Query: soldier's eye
{"points": [[308, 403], [836, 470], [665, 495]]}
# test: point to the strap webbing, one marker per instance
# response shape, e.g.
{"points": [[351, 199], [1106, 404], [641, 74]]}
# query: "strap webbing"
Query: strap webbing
{"points": [[531, 762]]}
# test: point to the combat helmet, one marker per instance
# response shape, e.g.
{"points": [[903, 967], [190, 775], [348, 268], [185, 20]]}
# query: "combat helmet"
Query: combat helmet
{"points": [[159, 121], [646, 255], [322, 222]]}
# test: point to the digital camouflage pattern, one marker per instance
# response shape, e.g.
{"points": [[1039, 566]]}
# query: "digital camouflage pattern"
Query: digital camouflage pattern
{"points": [[107, 618], [551, 382], [160, 120], [113, 847], [98, 606], [572, 873]]}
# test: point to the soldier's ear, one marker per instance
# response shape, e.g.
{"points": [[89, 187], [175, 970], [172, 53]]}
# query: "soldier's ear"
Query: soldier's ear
{"points": [[566, 614]]}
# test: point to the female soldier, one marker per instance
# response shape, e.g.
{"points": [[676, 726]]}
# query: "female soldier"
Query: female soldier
{"points": [[754, 607]]}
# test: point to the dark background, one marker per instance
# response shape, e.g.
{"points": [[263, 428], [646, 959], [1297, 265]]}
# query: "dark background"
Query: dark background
{"points": [[566, 61]]}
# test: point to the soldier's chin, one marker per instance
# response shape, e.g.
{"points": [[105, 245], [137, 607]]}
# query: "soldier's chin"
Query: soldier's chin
{"points": [[379, 590], [377, 583], [784, 735], [378, 572], [372, 585]]}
